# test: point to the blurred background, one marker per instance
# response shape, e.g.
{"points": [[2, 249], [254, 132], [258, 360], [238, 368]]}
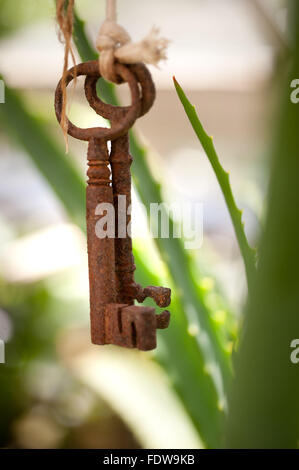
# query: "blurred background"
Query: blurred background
{"points": [[56, 389]]}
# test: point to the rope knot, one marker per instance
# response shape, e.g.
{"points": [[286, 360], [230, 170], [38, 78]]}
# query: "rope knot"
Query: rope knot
{"points": [[110, 38], [111, 35], [151, 50], [114, 43]]}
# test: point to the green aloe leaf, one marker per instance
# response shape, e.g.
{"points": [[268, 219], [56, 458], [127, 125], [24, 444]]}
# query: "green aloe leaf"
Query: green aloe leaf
{"points": [[222, 176], [266, 389]]}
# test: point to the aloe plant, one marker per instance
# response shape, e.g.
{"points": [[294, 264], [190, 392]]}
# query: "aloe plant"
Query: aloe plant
{"points": [[264, 410], [222, 176], [264, 406]]}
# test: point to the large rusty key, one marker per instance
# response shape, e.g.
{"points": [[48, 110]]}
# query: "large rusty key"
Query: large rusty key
{"points": [[114, 317]]}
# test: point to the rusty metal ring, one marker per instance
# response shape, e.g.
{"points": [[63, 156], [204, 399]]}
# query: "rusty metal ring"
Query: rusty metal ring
{"points": [[115, 113], [120, 127]]}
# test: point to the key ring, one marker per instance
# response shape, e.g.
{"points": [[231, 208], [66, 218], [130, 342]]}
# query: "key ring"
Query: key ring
{"points": [[120, 126], [116, 113]]}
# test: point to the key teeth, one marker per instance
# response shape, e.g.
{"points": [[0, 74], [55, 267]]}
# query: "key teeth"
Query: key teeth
{"points": [[133, 326], [161, 295], [163, 320]]}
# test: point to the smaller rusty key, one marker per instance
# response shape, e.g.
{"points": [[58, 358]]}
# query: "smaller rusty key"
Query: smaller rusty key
{"points": [[114, 317]]}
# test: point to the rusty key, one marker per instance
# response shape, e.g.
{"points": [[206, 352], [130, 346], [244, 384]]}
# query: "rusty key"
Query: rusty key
{"points": [[114, 317]]}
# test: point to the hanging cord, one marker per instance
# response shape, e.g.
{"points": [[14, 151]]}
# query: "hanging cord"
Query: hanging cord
{"points": [[111, 13], [65, 19], [114, 43]]}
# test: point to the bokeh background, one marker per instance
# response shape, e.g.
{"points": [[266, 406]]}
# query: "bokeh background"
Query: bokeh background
{"points": [[56, 389]]}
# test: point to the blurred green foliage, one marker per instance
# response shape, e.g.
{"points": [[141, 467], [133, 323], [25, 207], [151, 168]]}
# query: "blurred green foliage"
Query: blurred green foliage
{"points": [[222, 176], [28, 11], [31, 341], [264, 404]]}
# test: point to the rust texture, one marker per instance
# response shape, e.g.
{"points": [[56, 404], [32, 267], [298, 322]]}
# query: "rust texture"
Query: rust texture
{"points": [[101, 252], [121, 160], [113, 290]]}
